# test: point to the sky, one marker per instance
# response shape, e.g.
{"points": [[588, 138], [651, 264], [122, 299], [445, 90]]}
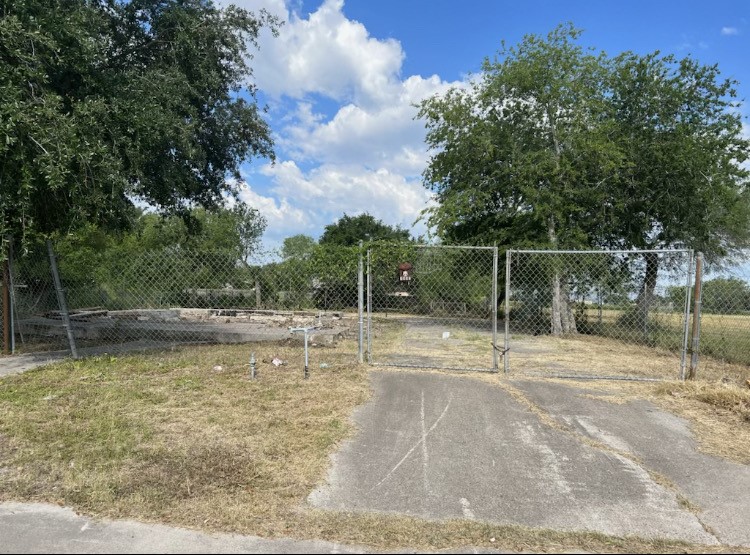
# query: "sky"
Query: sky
{"points": [[341, 80]]}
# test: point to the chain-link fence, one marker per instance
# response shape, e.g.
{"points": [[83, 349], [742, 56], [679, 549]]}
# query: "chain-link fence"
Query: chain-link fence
{"points": [[120, 300], [723, 328], [432, 307], [619, 314], [588, 313]]}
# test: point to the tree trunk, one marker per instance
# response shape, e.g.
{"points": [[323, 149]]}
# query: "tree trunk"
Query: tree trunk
{"points": [[568, 317], [646, 294], [557, 327]]}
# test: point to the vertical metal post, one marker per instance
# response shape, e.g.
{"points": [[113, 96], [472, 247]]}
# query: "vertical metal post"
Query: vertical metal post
{"points": [[252, 366], [61, 300], [257, 293], [7, 349], [506, 344], [494, 310], [361, 303], [697, 313], [307, 371], [686, 316], [369, 307], [14, 307]]}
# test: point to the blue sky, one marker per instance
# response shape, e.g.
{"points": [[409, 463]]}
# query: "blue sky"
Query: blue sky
{"points": [[341, 80]]}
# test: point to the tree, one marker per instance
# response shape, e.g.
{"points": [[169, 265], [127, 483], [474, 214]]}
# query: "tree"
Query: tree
{"points": [[350, 230], [107, 102], [522, 154], [298, 247], [681, 182], [555, 146]]}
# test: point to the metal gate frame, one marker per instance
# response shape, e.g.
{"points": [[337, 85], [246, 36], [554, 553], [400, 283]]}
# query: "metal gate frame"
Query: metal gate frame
{"points": [[366, 329], [686, 315]]}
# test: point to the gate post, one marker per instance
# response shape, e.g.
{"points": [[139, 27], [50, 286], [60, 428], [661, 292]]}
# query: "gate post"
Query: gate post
{"points": [[494, 310], [369, 307], [360, 303], [696, 317], [506, 343], [686, 316]]}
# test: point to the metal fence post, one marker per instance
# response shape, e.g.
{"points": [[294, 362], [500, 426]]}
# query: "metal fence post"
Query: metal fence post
{"points": [[361, 303], [7, 349], [697, 309], [369, 308], [61, 300], [506, 344], [494, 310], [686, 317], [14, 319]]}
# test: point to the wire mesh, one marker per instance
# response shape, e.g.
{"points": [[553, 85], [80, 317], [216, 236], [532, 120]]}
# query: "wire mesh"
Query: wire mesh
{"points": [[432, 307], [724, 319], [599, 314], [120, 300]]}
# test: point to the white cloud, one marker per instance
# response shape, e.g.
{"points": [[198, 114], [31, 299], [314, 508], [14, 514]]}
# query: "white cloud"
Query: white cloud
{"points": [[383, 137], [365, 156], [729, 31], [328, 191], [325, 53], [280, 213]]}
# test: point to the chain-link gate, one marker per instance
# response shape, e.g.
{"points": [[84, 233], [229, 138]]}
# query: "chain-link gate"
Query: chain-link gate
{"points": [[596, 314], [432, 306]]}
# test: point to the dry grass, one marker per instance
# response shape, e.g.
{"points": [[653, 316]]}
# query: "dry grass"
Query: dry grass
{"points": [[419, 341], [164, 437]]}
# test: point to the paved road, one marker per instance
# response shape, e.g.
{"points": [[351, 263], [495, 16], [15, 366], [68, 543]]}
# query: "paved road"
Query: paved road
{"points": [[440, 447], [40, 528]]}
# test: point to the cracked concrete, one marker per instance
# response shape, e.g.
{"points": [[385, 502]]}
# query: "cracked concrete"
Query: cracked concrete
{"points": [[665, 444], [442, 447]]}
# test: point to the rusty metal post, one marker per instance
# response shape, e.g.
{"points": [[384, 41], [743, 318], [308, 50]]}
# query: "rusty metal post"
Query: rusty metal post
{"points": [[7, 339], [62, 304], [697, 302]]}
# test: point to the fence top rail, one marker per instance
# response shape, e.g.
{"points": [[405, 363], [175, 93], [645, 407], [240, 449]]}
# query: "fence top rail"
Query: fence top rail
{"points": [[550, 251], [462, 247]]}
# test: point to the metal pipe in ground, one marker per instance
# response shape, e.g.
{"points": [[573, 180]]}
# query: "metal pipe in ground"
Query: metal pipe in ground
{"points": [[697, 307], [61, 300], [307, 361]]}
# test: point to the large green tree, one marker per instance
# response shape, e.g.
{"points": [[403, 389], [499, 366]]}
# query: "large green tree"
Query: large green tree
{"points": [[681, 182], [106, 102], [521, 155], [558, 146]]}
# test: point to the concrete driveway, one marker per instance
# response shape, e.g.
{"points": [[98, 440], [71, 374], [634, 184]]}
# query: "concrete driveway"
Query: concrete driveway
{"points": [[439, 447]]}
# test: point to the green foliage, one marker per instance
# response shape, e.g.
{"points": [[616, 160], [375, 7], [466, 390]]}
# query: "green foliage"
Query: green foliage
{"points": [[298, 247], [719, 296], [555, 145], [350, 230], [106, 102], [522, 153]]}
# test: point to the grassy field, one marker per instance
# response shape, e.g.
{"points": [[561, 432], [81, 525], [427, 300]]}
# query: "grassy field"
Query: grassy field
{"points": [[724, 338], [185, 438]]}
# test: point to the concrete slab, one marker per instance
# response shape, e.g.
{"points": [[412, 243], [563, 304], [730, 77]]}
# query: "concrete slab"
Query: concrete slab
{"points": [[443, 447], [665, 443]]}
